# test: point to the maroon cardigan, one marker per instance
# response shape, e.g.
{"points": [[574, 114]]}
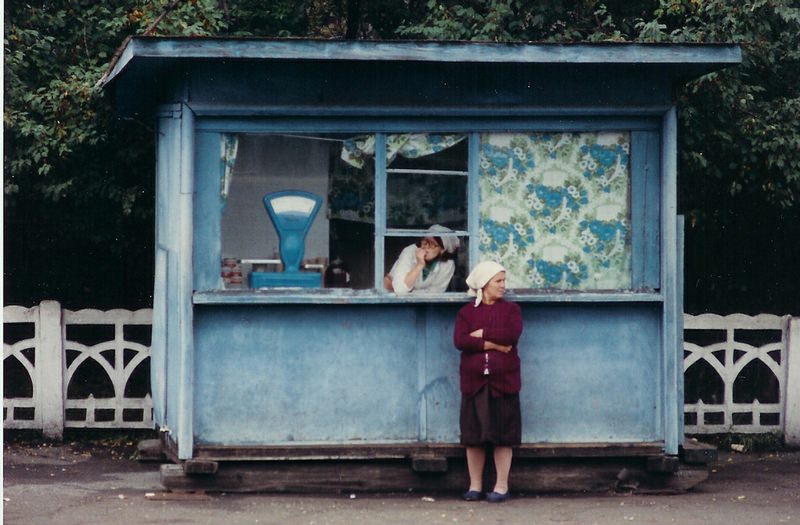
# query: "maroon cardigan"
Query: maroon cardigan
{"points": [[502, 324]]}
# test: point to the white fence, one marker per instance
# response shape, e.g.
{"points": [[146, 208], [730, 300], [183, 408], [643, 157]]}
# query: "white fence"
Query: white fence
{"points": [[79, 368], [742, 373], [744, 377]]}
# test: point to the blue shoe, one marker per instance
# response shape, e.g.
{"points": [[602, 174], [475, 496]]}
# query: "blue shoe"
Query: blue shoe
{"points": [[496, 497], [471, 495]]}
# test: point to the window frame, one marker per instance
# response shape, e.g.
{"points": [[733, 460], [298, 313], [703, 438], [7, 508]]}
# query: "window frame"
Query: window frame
{"points": [[642, 129], [382, 231]]}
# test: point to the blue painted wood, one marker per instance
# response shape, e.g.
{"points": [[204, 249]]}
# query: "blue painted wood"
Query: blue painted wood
{"points": [[187, 150], [425, 85], [422, 349], [207, 211], [282, 375], [159, 343], [306, 374], [223, 110], [169, 309], [440, 392], [473, 198], [671, 351], [396, 232], [184, 322], [645, 210], [149, 69], [168, 231], [652, 212], [522, 122], [380, 208], [345, 296], [668, 55], [638, 185], [430, 84], [592, 373]]}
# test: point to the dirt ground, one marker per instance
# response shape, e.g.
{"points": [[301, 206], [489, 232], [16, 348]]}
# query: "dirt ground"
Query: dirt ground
{"points": [[78, 483]]}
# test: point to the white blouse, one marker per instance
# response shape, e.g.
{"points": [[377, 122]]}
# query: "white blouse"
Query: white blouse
{"points": [[437, 281]]}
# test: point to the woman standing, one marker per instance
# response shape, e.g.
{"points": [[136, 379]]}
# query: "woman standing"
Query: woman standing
{"points": [[486, 333], [426, 266]]}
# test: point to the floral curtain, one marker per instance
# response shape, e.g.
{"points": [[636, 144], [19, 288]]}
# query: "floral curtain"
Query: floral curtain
{"points": [[554, 208], [351, 193], [409, 145], [229, 147], [415, 199]]}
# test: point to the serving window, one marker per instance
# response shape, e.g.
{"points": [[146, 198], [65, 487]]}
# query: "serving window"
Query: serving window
{"points": [[555, 208]]}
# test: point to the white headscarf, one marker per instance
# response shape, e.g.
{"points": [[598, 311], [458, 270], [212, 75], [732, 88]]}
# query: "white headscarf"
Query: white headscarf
{"points": [[480, 275], [451, 244]]}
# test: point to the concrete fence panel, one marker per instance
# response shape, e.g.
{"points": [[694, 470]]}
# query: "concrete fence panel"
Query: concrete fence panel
{"points": [[76, 369]]}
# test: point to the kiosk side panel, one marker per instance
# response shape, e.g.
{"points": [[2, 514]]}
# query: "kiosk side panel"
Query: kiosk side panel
{"points": [[367, 374]]}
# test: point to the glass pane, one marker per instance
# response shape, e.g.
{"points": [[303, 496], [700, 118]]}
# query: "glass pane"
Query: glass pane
{"points": [[554, 208], [338, 244], [418, 201], [426, 181]]}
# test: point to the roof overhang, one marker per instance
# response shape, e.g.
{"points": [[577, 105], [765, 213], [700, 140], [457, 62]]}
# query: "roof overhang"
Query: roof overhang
{"points": [[144, 62], [139, 51]]}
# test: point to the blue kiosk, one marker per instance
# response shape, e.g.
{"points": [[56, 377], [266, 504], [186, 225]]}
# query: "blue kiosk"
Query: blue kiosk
{"points": [[556, 160]]}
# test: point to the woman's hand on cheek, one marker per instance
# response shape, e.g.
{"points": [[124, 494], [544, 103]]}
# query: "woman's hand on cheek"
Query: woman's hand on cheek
{"points": [[420, 256]]}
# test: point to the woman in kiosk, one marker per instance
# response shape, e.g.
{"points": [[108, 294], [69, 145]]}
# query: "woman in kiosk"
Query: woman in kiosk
{"points": [[486, 332], [425, 267]]}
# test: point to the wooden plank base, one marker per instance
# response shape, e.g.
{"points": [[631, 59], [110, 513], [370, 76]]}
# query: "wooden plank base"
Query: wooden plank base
{"points": [[402, 451], [528, 476]]}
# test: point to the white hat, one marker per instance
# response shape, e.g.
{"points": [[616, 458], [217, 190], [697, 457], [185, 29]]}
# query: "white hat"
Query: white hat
{"points": [[480, 275], [451, 244]]}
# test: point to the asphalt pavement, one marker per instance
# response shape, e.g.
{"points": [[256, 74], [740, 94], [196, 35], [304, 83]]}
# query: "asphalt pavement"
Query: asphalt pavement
{"points": [[76, 483]]}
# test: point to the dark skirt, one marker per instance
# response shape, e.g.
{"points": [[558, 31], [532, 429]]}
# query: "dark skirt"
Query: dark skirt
{"points": [[486, 419]]}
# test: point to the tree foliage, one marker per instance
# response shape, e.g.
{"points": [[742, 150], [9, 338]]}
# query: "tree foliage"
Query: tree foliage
{"points": [[71, 169], [519, 20], [78, 185]]}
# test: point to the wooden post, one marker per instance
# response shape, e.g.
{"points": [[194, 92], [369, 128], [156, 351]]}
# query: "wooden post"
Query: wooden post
{"points": [[671, 321], [184, 314], [792, 404], [50, 370]]}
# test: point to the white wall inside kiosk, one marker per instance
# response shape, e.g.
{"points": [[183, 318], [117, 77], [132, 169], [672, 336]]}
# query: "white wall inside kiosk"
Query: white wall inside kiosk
{"points": [[264, 164]]}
